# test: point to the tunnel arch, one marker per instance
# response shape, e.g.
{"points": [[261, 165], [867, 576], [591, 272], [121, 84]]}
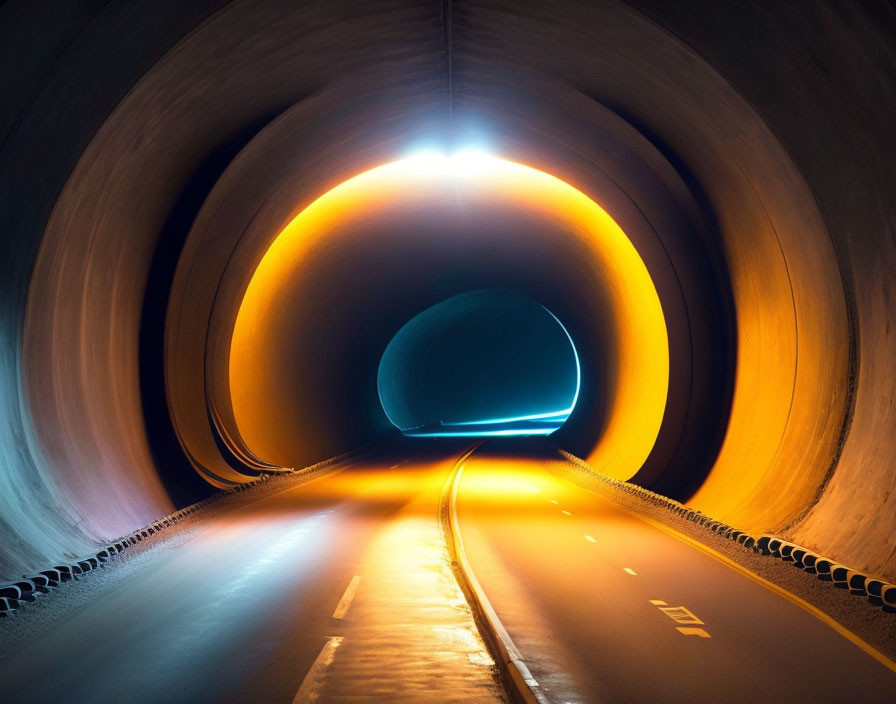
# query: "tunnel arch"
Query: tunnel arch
{"points": [[456, 218], [771, 255]]}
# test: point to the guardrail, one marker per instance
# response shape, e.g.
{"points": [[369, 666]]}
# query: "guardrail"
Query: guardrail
{"points": [[14, 595], [877, 590]]}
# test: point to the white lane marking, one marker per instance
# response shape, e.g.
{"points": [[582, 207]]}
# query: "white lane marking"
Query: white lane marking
{"points": [[566, 513], [309, 691], [396, 466], [534, 488], [590, 539], [553, 501], [629, 570], [346, 599]]}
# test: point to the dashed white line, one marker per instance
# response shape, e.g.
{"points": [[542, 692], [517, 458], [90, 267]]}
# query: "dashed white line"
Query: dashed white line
{"points": [[310, 689], [566, 513], [554, 501], [346, 600], [590, 539], [629, 570]]}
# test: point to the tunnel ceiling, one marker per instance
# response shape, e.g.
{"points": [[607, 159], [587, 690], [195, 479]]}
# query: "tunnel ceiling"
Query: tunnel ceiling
{"points": [[151, 155]]}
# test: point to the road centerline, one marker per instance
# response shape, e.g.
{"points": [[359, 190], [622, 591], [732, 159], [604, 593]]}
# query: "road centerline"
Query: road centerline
{"points": [[309, 691], [346, 601]]}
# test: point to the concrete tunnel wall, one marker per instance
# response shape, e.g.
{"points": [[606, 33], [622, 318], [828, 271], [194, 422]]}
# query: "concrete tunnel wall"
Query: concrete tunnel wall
{"points": [[151, 155]]}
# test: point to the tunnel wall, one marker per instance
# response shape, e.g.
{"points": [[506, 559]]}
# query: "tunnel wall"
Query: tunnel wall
{"points": [[823, 81], [745, 148], [58, 86], [338, 275]]}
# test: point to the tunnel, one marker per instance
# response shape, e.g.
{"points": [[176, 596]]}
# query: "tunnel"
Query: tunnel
{"points": [[521, 377], [222, 218]]}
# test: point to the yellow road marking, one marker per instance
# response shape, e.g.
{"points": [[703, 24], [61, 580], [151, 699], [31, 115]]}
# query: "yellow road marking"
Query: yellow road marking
{"points": [[693, 632], [680, 614], [553, 501], [310, 689], [780, 591], [346, 600], [629, 570], [590, 539], [657, 602], [567, 513]]}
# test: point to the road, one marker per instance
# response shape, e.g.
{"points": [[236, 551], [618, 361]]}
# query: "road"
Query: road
{"points": [[341, 590], [605, 607], [336, 590]]}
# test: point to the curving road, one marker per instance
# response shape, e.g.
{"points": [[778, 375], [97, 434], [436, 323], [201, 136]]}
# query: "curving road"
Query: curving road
{"points": [[605, 607], [341, 590], [336, 590]]}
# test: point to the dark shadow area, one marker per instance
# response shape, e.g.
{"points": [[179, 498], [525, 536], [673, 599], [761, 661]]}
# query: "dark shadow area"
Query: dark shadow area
{"points": [[712, 326], [181, 481]]}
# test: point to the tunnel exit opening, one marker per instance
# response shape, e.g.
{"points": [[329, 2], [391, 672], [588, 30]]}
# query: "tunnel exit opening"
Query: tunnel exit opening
{"points": [[484, 363]]}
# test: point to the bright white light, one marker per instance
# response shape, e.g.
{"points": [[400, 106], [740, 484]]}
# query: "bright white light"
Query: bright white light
{"points": [[468, 161], [481, 433], [576, 355], [556, 415], [472, 161], [428, 161]]}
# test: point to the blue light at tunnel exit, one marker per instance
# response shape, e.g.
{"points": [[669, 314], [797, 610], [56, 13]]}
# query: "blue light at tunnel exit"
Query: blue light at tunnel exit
{"points": [[536, 416]]}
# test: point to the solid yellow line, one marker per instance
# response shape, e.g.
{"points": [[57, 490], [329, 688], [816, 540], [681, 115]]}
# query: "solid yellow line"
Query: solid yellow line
{"points": [[693, 632], [771, 586]]}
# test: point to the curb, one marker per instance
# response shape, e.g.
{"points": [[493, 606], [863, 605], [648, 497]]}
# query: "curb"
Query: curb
{"points": [[517, 680]]}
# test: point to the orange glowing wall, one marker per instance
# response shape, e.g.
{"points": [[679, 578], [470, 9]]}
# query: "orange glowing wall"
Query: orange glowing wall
{"points": [[471, 183]]}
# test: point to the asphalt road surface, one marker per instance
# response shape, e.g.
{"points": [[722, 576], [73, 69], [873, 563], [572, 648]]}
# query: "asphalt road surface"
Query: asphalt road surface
{"points": [[605, 607], [341, 590], [336, 590]]}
